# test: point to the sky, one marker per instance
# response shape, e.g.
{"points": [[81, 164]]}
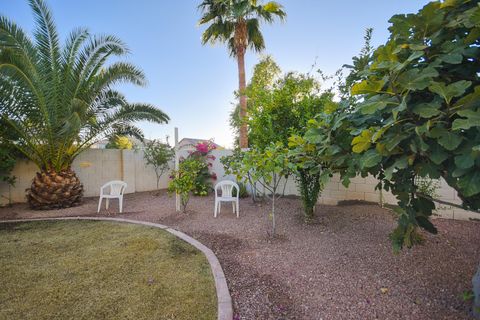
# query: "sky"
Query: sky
{"points": [[195, 84]]}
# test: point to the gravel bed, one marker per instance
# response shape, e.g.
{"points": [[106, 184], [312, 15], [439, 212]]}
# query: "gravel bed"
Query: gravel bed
{"points": [[340, 267]]}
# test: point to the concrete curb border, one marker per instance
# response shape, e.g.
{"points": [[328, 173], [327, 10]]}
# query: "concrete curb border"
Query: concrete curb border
{"points": [[224, 300]]}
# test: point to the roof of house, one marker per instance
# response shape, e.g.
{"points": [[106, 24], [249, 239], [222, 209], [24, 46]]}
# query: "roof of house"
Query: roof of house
{"points": [[194, 141]]}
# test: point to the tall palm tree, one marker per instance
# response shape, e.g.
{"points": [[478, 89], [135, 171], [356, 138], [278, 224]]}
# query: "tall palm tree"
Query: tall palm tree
{"points": [[59, 100], [237, 22]]}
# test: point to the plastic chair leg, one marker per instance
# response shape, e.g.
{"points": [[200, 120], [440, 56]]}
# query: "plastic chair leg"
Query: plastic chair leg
{"points": [[99, 204]]}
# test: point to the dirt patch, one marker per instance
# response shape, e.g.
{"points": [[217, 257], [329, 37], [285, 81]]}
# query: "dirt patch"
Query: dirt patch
{"points": [[339, 267]]}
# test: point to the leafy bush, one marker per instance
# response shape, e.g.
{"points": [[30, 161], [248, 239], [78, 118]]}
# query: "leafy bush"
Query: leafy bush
{"points": [[243, 192], [184, 180], [202, 153]]}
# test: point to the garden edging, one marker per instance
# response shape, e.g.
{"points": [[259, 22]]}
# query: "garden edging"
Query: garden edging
{"points": [[224, 300]]}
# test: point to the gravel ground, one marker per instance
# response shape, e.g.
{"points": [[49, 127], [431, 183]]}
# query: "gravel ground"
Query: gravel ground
{"points": [[340, 267]]}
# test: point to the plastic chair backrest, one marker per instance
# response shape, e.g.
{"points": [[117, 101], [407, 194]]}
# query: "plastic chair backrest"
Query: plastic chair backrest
{"points": [[227, 188], [116, 187]]}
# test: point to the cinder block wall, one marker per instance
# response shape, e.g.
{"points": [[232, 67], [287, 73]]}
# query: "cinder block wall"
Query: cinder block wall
{"points": [[97, 166], [94, 168]]}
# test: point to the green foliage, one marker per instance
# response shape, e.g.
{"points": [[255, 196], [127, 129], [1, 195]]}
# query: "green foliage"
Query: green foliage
{"points": [[412, 114], [119, 142], [280, 105], [418, 110], [7, 163], [59, 100], [266, 167], [243, 192], [310, 172], [184, 179], [233, 164], [427, 186], [202, 153], [237, 23], [468, 295], [158, 155]]}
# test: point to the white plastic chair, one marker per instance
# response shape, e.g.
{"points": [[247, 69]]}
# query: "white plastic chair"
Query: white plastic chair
{"points": [[117, 188], [227, 191]]}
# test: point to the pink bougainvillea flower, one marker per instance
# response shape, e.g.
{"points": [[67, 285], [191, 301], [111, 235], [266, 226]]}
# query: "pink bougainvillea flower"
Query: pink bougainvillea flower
{"points": [[202, 147]]}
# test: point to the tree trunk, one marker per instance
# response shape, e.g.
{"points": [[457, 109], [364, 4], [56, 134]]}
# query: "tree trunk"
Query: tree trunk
{"points": [[274, 191], [55, 190], [242, 84]]}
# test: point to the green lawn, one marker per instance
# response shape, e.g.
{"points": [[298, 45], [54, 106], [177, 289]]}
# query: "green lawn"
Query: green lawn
{"points": [[101, 270]]}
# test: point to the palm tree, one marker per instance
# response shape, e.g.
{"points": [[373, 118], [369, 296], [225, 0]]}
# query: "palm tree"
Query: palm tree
{"points": [[58, 100], [237, 22]]}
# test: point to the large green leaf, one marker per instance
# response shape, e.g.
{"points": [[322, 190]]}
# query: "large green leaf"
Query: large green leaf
{"points": [[372, 105], [427, 110], [448, 92], [438, 155], [417, 79], [470, 184], [425, 223], [370, 159], [362, 142], [449, 140], [367, 86], [452, 58], [473, 120], [464, 161]]}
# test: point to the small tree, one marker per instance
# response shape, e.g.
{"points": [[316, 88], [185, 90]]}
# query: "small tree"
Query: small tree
{"points": [[184, 180], [267, 168], [159, 155]]}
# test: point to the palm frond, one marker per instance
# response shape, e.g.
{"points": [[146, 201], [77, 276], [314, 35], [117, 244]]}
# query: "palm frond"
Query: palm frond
{"points": [[119, 72], [59, 100], [219, 31], [12, 37], [255, 37], [225, 18], [141, 112]]}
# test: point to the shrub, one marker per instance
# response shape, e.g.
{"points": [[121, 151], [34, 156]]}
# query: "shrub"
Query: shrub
{"points": [[184, 180], [202, 153], [243, 192]]}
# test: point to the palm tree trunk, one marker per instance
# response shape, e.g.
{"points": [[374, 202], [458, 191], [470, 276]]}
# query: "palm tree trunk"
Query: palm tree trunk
{"points": [[52, 189], [243, 98]]}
